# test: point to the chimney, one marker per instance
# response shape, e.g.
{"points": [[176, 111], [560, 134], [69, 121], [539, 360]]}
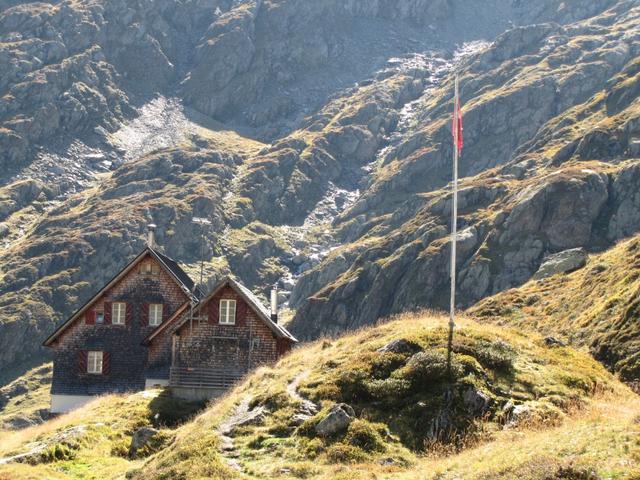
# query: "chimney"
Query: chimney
{"points": [[151, 235], [274, 304]]}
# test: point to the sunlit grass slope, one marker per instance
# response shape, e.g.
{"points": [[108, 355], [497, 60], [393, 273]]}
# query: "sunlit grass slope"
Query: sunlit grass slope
{"points": [[567, 423], [547, 413], [93, 441], [596, 306]]}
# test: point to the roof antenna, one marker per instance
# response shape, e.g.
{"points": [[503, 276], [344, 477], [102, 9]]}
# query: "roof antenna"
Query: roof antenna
{"points": [[203, 222], [151, 235]]}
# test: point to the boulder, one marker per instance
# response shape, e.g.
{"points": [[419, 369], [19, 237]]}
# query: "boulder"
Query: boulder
{"points": [[554, 342], [562, 262], [337, 420], [141, 438], [400, 346], [476, 402]]}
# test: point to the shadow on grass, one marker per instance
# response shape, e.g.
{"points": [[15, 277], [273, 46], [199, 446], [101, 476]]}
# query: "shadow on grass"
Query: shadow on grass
{"points": [[170, 412]]}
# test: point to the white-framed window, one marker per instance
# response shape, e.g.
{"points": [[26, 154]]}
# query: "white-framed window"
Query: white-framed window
{"points": [[99, 318], [118, 313], [155, 314], [227, 312], [94, 362]]}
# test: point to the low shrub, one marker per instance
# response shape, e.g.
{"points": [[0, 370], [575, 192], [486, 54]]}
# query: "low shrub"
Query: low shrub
{"points": [[158, 442], [385, 364], [390, 389], [59, 451], [256, 442], [272, 401], [496, 355], [313, 447], [366, 436], [353, 385], [344, 453], [427, 367]]}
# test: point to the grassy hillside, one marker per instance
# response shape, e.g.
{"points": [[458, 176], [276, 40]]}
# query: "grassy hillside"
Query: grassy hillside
{"points": [[596, 306], [26, 400], [514, 407], [93, 441]]}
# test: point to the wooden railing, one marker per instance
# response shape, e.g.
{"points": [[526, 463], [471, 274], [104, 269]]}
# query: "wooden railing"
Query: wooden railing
{"points": [[203, 377]]}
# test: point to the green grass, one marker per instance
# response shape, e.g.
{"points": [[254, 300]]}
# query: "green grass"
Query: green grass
{"points": [[595, 307]]}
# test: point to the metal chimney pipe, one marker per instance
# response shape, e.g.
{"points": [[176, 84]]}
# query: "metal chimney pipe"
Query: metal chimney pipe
{"points": [[274, 304], [151, 235]]}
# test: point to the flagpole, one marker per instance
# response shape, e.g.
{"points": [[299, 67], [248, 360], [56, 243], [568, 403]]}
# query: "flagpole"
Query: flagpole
{"points": [[454, 223]]}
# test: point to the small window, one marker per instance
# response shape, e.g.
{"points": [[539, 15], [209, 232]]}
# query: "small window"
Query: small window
{"points": [[99, 318], [149, 268], [118, 313], [155, 314], [94, 362], [227, 312]]}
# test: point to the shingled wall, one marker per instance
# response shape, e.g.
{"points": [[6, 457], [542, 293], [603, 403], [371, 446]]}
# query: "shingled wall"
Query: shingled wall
{"points": [[235, 348], [127, 357]]}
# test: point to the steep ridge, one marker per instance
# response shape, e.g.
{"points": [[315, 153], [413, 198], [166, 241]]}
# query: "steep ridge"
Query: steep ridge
{"points": [[107, 126], [568, 156]]}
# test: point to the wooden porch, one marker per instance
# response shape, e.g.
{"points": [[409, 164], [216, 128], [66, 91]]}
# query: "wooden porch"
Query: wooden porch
{"points": [[209, 378]]}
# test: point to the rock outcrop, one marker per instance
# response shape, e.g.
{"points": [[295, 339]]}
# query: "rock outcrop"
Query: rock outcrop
{"points": [[336, 420], [562, 262]]}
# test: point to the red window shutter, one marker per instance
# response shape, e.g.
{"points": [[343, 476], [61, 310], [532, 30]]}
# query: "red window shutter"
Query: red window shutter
{"points": [[90, 317], [165, 312], [82, 361], [106, 363], [128, 313], [241, 313], [144, 314], [214, 311], [107, 313]]}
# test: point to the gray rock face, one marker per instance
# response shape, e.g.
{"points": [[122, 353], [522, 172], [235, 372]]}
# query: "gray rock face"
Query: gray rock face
{"points": [[141, 438], [562, 262], [337, 420], [476, 402]]}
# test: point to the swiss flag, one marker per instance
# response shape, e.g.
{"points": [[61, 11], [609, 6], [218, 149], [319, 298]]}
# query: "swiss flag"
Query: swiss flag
{"points": [[456, 127]]}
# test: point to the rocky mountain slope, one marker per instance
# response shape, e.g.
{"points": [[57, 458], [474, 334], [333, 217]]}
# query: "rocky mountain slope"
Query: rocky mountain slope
{"points": [[369, 404], [314, 135]]}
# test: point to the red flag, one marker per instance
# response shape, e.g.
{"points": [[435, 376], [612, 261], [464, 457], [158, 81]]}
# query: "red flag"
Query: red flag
{"points": [[456, 128]]}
